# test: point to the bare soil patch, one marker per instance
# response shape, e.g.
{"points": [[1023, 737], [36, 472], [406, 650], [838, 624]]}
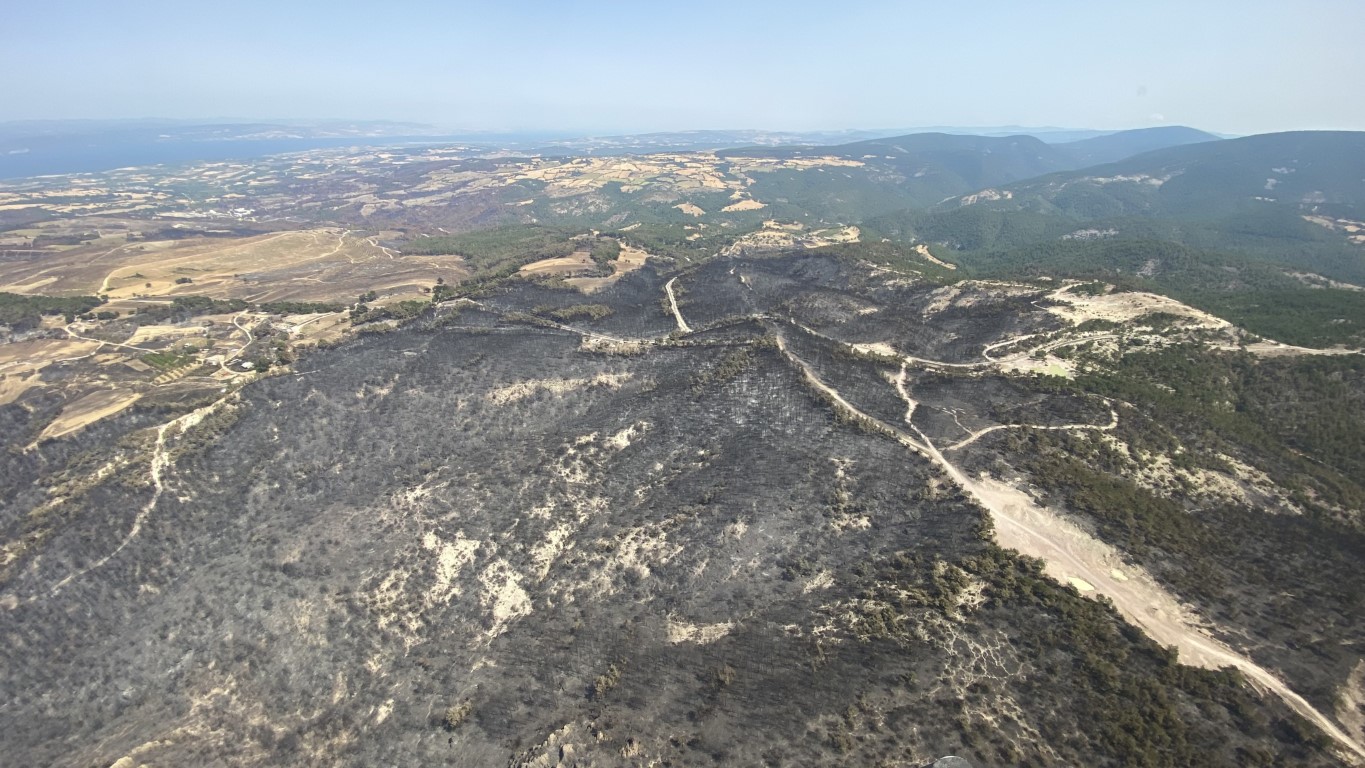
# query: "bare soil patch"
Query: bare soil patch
{"points": [[88, 410]]}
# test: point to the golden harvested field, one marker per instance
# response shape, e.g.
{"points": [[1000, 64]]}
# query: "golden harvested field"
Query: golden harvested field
{"points": [[324, 265], [21, 362], [563, 265], [89, 409], [629, 260], [307, 265]]}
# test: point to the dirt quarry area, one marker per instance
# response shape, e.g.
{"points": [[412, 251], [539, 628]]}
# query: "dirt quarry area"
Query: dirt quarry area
{"points": [[1125, 307]]}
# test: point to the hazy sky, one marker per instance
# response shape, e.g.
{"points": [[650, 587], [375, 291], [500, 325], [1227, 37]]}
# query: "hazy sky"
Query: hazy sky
{"points": [[1241, 67]]}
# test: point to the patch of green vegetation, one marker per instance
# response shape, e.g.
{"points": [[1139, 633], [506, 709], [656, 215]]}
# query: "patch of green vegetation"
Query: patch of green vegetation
{"points": [[299, 307], [1299, 421], [1312, 317], [576, 312], [169, 360], [403, 310], [892, 255], [1251, 292], [496, 251], [1096, 324], [185, 307], [457, 714], [1133, 691], [1307, 412], [605, 250], [22, 312], [731, 365], [970, 228], [1097, 288], [604, 683], [671, 240], [831, 195]]}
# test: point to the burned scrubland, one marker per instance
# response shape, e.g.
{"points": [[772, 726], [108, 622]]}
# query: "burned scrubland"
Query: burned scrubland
{"points": [[496, 538]]}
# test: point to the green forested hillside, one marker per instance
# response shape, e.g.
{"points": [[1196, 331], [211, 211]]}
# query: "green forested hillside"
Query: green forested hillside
{"points": [[1237, 227], [1252, 292], [1123, 144], [1319, 171]]}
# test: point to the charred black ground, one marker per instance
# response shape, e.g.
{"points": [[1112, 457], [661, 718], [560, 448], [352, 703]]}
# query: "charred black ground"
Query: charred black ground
{"points": [[496, 538]]}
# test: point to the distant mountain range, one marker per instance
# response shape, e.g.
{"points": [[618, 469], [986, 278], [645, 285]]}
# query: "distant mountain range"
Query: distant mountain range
{"points": [[931, 167], [1113, 147], [41, 147], [1239, 226], [1319, 169]]}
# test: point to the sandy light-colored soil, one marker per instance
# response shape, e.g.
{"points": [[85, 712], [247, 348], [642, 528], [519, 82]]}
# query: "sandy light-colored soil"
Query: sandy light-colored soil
{"points": [[563, 265], [1073, 556], [21, 362], [683, 327], [521, 390], [923, 251], [744, 205], [628, 261], [1276, 349], [307, 265], [1125, 307], [88, 410]]}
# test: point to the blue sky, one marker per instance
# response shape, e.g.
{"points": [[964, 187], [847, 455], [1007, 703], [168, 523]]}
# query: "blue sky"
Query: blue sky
{"points": [[1240, 67]]}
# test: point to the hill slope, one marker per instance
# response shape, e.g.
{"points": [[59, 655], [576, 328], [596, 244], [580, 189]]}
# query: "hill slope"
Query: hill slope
{"points": [[1124, 144], [1312, 171], [1279, 212], [491, 539]]}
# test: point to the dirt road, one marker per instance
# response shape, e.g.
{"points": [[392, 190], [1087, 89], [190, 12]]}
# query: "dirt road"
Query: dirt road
{"points": [[978, 434], [1074, 557], [102, 342], [161, 461], [673, 302]]}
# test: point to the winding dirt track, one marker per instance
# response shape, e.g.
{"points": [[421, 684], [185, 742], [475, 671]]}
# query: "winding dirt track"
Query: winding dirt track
{"points": [[980, 433], [673, 302], [102, 342], [1073, 556], [161, 461], [223, 364]]}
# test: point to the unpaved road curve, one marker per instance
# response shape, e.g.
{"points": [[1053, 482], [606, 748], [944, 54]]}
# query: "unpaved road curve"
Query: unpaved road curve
{"points": [[374, 241], [223, 364], [673, 302], [1073, 556], [978, 434], [75, 335], [1276, 349], [161, 460]]}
